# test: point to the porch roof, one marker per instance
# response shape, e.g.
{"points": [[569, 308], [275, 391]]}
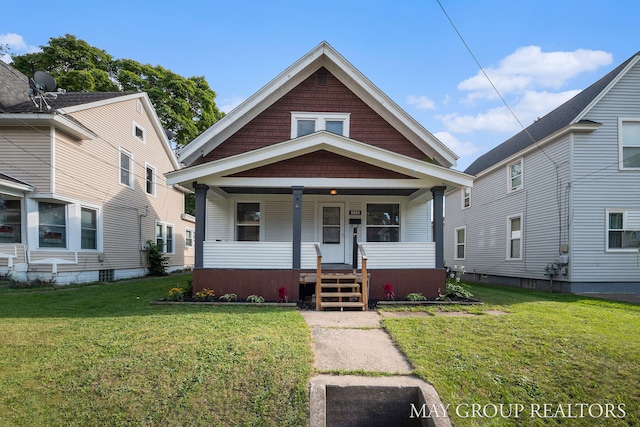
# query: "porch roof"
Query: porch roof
{"points": [[420, 175]]}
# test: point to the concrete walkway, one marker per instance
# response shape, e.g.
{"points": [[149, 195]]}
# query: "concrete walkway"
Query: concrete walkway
{"points": [[354, 342]]}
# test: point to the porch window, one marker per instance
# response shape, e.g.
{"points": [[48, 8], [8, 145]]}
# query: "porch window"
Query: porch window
{"points": [[623, 230], [383, 222], [52, 228], [515, 176], [514, 251], [165, 237], [629, 141], [248, 222], [307, 123], [10, 221], [461, 242], [89, 228]]}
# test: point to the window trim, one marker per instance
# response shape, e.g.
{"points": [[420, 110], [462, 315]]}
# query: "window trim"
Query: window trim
{"points": [[164, 226], [134, 128], [456, 243], [148, 167], [130, 170], [320, 119], [510, 188], [236, 224], [367, 225], [621, 121], [186, 240], [465, 196], [510, 236], [609, 211]]}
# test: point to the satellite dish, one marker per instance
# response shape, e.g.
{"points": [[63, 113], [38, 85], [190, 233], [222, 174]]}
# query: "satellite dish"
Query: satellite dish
{"points": [[44, 81]]}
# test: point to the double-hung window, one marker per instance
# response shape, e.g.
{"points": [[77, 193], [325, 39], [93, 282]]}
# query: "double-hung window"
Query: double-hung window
{"points": [[514, 237], [52, 227], [247, 222], [466, 197], [89, 228], [383, 222], [623, 230], [126, 168], [150, 180], [461, 243], [188, 237], [10, 221], [514, 171], [165, 237], [629, 143], [307, 123]]}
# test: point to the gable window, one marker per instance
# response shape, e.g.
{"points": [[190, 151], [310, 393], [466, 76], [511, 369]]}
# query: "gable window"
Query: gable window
{"points": [[466, 197], [188, 237], [514, 237], [248, 222], [10, 221], [383, 222], [461, 242], [307, 123], [126, 168], [514, 171], [150, 180], [138, 132], [165, 237], [52, 227], [89, 228], [629, 143], [623, 230]]}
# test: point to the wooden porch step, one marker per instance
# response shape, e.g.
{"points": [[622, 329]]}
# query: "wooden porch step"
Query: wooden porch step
{"points": [[338, 277], [340, 294], [339, 285], [344, 304]]}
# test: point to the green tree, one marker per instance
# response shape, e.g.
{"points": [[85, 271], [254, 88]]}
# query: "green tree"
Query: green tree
{"points": [[185, 105]]}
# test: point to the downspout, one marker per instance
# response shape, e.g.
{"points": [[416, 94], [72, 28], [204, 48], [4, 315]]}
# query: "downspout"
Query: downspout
{"points": [[140, 216]]}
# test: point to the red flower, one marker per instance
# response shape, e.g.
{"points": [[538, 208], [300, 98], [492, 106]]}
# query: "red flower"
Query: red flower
{"points": [[388, 291], [282, 294]]}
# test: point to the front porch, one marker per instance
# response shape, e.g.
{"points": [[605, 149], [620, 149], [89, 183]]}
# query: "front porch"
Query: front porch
{"points": [[261, 268]]}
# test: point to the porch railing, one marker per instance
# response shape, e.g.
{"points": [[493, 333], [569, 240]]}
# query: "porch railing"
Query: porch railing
{"points": [[365, 276]]}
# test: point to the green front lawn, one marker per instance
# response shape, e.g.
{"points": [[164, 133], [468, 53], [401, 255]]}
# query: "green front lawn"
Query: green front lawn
{"points": [[554, 349], [102, 355]]}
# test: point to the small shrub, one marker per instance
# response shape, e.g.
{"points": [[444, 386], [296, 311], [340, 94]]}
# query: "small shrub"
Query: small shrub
{"points": [[414, 296], [157, 260], [255, 298], [455, 291], [388, 291], [205, 295], [282, 294], [36, 283], [176, 294], [228, 297]]}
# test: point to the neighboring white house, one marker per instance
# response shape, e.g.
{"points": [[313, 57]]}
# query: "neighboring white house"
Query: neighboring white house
{"points": [[559, 203], [82, 186]]}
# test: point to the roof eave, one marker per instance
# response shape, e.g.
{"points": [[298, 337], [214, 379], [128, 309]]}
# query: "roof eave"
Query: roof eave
{"points": [[48, 119]]}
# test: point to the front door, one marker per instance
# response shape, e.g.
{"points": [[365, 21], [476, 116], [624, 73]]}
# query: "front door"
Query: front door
{"points": [[332, 232]]}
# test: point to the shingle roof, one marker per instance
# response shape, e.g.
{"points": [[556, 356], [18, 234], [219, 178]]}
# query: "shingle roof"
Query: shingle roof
{"points": [[63, 100], [547, 125]]}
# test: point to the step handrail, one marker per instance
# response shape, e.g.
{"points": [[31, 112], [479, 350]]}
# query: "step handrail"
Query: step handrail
{"points": [[365, 282], [318, 277]]}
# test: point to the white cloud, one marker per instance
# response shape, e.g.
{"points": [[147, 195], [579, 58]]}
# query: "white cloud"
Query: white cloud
{"points": [[529, 68], [16, 45], [228, 104], [466, 148], [421, 102], [531, 106]]}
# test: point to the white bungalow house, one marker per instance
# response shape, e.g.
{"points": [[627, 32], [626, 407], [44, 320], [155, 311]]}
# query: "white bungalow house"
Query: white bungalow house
{"points": [[312, 172], [558, 206], [82, 186]]}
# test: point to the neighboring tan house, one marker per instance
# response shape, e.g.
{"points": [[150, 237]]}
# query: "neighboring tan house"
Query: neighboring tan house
{"points": [[82, 187], [558, 205], [316, 159]]}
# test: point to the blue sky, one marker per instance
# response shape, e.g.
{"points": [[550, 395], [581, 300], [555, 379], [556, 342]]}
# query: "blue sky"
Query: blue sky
{"points": [[538, 53]]}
